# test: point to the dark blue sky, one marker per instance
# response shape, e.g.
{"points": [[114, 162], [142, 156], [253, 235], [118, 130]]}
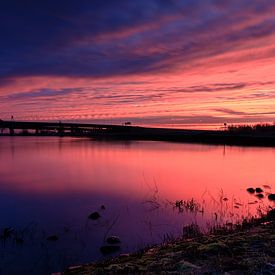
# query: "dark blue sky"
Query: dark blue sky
{"points": [[67, 37]]}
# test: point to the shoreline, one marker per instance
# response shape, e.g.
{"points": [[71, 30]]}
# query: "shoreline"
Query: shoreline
{"points": [[214, 137], [130, 133], [247, 248], [261, 136]]}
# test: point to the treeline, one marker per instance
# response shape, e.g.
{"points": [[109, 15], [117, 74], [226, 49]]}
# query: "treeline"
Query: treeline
{"points": [[265, 127]]}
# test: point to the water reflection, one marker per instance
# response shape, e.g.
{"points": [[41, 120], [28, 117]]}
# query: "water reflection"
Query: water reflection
{"points": [[50, 186]]}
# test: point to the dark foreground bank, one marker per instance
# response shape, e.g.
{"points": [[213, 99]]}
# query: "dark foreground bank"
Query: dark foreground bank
{"points": [[247, 248]]}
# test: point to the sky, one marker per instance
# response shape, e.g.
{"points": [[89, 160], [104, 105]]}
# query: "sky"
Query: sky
{"points": [[168, 63]]}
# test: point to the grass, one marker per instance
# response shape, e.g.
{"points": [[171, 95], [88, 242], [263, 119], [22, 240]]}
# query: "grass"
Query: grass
{"points": [[245, 248], [189, 206]]}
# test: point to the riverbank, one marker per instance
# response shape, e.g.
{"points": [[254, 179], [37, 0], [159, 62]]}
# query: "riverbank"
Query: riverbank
{"points": [[247, 248], [264, 136], [216, 137]]}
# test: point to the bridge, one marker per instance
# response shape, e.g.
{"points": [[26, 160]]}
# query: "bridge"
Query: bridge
{"points": [[128, 132], [59, 128]]}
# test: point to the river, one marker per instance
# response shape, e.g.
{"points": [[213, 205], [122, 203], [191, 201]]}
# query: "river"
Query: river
{"points": [[49, 186]]}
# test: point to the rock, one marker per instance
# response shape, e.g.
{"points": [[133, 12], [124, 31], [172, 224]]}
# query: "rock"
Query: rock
{"points": [[250, 190], [113, 240], [271, 197], [109, 249], [260, 196], [94, 216], [184, 266], [52, 238], [259, 190]]}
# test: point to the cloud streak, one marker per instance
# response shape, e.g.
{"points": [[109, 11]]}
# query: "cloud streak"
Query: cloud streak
{"points": [[143, 57], [67, 38]]}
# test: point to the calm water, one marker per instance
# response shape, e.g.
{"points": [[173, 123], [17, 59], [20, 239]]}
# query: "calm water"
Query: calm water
{"points": [[49, 186]]}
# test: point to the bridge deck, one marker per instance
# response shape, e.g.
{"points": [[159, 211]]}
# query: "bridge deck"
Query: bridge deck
{"points": [[54, 125]]}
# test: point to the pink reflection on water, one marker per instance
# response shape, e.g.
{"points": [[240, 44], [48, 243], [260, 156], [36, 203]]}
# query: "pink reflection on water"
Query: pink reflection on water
{"points": [[133, 169]]}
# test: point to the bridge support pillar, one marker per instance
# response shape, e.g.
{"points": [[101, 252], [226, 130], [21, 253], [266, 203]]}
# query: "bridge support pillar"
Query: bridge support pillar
{"points": [[61, 131]]}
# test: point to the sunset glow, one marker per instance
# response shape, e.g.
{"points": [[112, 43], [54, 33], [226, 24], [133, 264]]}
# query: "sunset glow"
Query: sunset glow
{"points": [[161, 63]]}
